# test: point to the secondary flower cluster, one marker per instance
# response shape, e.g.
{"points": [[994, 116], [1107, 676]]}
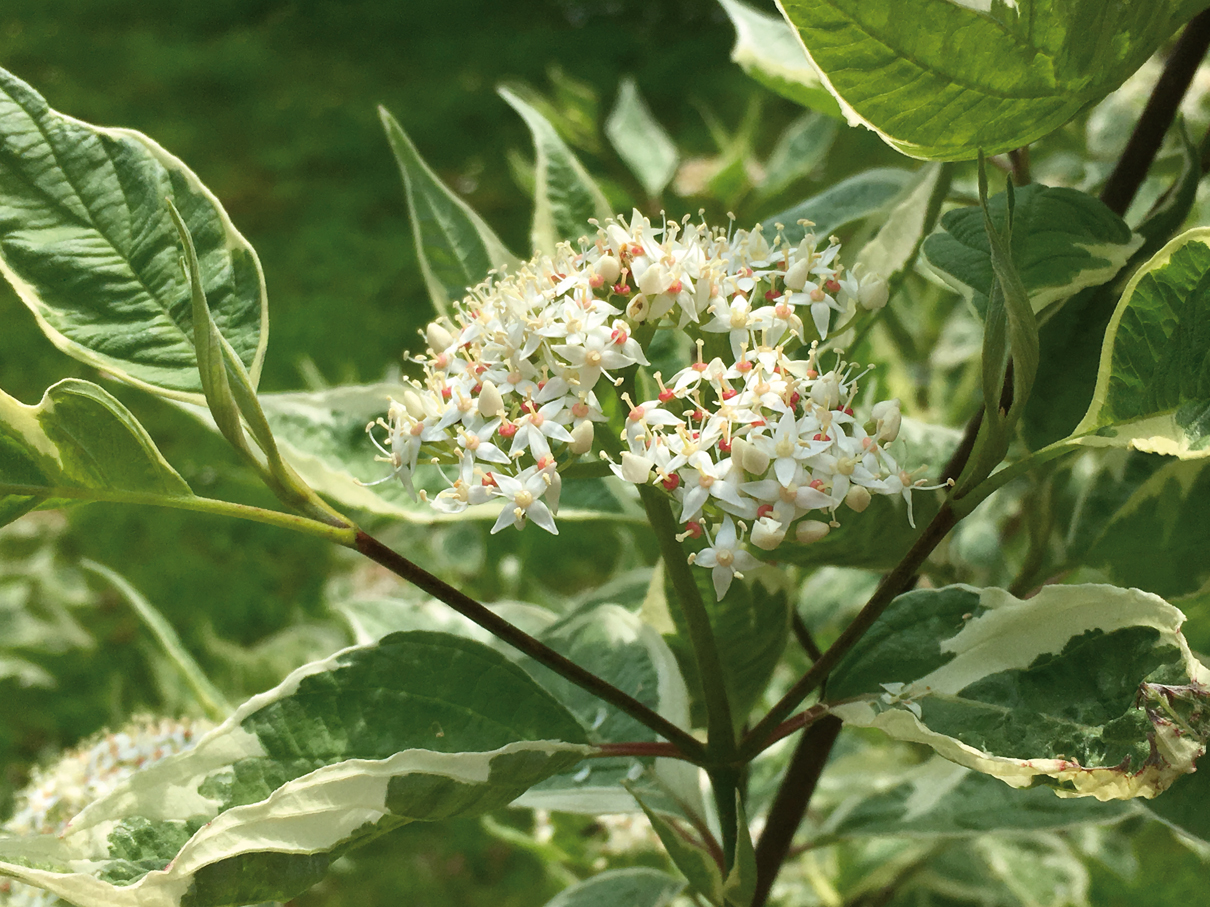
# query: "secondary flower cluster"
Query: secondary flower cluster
{"points": [[749, 441], [57, 793]]}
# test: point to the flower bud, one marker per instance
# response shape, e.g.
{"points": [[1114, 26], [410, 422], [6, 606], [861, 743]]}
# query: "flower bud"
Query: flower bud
{"points": [[438, 337], [767, 533], [873, 292], [758, 246], [809, 531], [636, 469], [654, 280], [887, 418], [581, 438], [609, 268], [491, 404], [858, 498], [412, 404], [796, 277], [752, 458], [825, 391]]}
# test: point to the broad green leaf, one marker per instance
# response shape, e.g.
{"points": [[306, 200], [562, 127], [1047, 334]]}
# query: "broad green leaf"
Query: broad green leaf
{"points": [[879, 536], [421, 726], [565, 196], [455, 246], [941, 80], [640, 140], [635, 887], [1091, 689], [751, 626], [939, 798], [850, 200], [606, 639], [1153, 385], [78, 444], [766, 49], [87, 242], [799, 152], [1062, 241], [1159, 539], [614, 644]]}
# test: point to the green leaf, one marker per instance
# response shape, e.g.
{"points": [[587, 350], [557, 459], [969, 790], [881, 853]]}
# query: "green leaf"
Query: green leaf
{"points": [[640, 140], [940, 80], [1062, 241], [421, 726], [78, 444], [1159, 538], [88, 244], [1090, 689], [688, 855], [455, 245], [853, 199], [939, 798], [206, 694], [606, 639], [565, 196], [635, 887], [766, 49], [1071, 338], [799, 152], [616, 645], [895, 246], [1153, 385]]}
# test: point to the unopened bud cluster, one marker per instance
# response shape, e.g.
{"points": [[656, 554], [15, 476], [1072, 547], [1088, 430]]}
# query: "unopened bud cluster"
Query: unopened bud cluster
{"points": [[751, 442]]}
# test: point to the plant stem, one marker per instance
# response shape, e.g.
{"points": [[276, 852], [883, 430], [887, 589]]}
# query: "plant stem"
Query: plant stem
{"points": [[691, 748], [790, 805], [1157, 116], [342, 535], [719, 726], [893, 584], [803, 634], [657, 748]]}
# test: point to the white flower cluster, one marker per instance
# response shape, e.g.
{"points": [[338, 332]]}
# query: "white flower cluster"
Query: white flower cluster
{"points": [[509, 393], [57, 793]]}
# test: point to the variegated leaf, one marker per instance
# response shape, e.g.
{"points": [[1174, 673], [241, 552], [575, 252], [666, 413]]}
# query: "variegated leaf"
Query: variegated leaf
{"points": [[1090, 689], [1063, 241], [78, 444], [421, 726], [1153, 384], [87, 242]]}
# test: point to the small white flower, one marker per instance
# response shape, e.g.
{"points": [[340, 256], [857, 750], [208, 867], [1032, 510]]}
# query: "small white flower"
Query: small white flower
{"points": [[725, 558], [523, 499]]}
